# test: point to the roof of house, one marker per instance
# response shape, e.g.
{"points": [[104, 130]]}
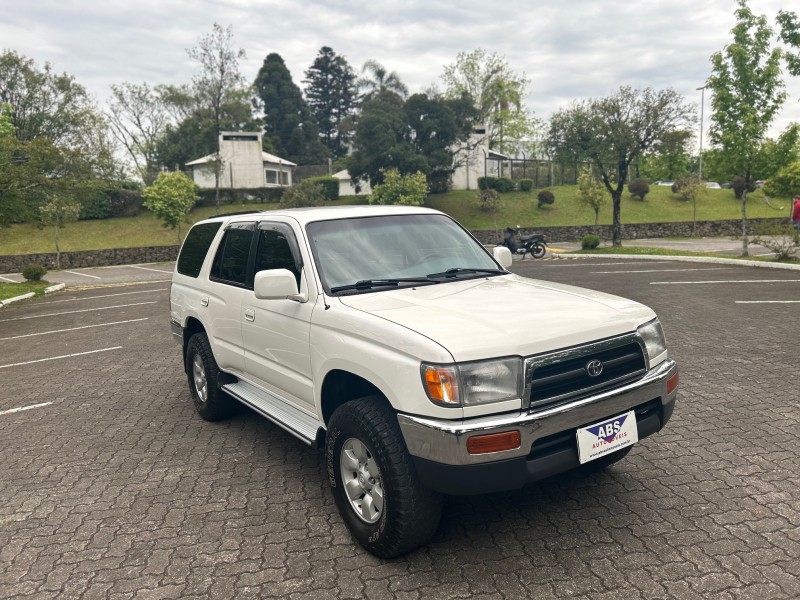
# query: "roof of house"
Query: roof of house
{"points": [[266, 156]]}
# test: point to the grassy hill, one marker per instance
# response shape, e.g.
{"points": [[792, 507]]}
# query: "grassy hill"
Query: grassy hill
{"points": [[517, 208]]}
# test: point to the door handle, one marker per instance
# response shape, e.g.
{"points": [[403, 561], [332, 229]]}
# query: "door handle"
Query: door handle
{"points": [[249, 315], [203, 301]]}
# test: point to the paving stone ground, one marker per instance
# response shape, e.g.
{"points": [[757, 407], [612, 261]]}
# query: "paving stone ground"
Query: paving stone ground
{"points": [[118, 490]]}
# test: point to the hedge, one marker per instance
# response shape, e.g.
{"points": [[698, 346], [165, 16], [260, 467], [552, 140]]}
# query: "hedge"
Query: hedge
{"points": [[240, 196], [330, 186]]}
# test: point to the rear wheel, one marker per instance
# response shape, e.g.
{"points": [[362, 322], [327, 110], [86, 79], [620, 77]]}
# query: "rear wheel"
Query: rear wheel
{"points": [[374, 481], [211, 402], [538, 251]]}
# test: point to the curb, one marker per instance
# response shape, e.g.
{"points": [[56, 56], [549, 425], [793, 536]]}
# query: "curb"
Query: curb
{"points": [[698, 259], [16, 299], [54, 288]]}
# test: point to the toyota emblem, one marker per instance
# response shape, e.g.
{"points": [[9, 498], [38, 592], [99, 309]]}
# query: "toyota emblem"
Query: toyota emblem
{"points": [[594, 368]]}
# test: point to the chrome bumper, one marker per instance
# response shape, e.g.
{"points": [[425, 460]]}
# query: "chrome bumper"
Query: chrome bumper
{"points": [[446, 441]]}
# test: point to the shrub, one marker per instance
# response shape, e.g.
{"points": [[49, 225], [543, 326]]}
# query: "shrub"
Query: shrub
{"points": [[545, 197], [687, 188], [34, 272], [487, 183], [305, 193], [241, 196], [489, 201], [739, 184], [440, 182], [525, 185], [590, 241], [504, 185], [639, 188], [591, 192], [330, 186], [783, 240], [409, 190], [786, 183]]}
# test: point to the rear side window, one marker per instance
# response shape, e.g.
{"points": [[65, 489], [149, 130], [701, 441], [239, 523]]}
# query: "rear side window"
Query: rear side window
{"points": [[230, 263], [195, 247]]}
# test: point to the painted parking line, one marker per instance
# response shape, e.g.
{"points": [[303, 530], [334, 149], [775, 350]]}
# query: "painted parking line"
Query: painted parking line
{"points": [[103, 296], [27, 335], [149, 269], [767, 301], [83, 274], [726, 281], [21, 408], [580, 263], [10, 280], [662, 270], [30, 362], [70, 312]]}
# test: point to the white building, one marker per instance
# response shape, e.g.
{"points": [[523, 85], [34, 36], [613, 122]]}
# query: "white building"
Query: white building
{"points": [[347, 187], [243, 164], [474, 159]]}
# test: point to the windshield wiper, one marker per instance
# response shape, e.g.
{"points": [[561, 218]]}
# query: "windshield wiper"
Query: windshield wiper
{"points": [[368, 284], [463, 270]]}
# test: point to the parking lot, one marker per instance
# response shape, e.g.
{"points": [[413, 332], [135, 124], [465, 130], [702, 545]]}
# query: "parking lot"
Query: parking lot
{"points": [[112, 487]]}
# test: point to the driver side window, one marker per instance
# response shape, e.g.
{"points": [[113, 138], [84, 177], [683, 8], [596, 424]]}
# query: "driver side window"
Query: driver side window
{"points": [[275, 250]]}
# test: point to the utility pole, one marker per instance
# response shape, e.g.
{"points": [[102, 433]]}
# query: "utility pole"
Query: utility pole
{"points": [[702, 107]]}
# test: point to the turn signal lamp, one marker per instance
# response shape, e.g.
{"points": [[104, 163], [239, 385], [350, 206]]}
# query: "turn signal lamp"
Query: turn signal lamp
{"points": [[493, 442], [441, 384], [672, 383]]}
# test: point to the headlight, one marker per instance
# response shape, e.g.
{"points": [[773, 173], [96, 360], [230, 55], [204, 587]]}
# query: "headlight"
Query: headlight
{"points": [[653, 336], [468, 384]]}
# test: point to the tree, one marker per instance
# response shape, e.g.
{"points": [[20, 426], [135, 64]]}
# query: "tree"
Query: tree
{"points": [[789, 24], [747, 94], [687, 189], [378, 79], [171, 198], [59, 210], [218, 80], [785, 183], [138, 116], [497, 92], [6, 122], [669, 158], [288, 123], [591, 192], [408, 190], [612, 132], [331, 94]]}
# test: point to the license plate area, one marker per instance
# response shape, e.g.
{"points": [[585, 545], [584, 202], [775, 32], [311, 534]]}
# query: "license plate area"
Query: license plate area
{"points": [[607, 436]]}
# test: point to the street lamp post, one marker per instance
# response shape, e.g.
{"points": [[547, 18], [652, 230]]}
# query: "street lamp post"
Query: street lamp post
{"points": [[702, 107]]}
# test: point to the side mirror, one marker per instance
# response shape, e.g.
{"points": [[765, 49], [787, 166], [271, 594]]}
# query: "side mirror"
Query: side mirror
{"points": [[502, 255], [277, 284]]}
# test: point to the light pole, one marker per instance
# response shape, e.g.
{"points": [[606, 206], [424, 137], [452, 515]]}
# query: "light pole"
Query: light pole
{"points": [[702, 106]]}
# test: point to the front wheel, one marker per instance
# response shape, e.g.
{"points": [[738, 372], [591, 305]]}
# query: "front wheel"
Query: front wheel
{"points": [[374, 481], [538, 250]]}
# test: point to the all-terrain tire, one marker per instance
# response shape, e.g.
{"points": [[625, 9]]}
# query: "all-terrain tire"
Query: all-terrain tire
{"points": [[409, 513], [210, 401]]}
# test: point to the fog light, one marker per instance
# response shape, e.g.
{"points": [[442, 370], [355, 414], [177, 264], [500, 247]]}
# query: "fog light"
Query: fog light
{"points": [[493, 442], [672, 383]]}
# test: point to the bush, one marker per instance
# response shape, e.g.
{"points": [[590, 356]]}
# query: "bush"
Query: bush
{"points": [[639, 188], [242, 196], [305, 193], [440, 182], [409, 190], [34, 272], [505, 185], [525, 185], [487, 183], [783, 240], [330, 186], [786, 183], [687, 188], [489, 201], [545, 197], [590, 241], [739, 184]]}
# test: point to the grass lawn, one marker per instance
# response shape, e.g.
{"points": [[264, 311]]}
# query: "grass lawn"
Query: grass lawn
{"points": [[10, 290], [518, 208]]}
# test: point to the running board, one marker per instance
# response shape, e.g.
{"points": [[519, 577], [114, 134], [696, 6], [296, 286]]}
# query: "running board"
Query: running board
{"points": [[284, 415]]}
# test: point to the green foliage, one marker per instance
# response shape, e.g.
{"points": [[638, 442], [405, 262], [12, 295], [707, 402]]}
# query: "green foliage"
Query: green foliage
{"points": [[331, 94], [545, 197], [590, 241], [305, 193], [34, 272], [56, 212], [687, 188], [591, 192], [170, 199], [489, 201], [487, 183], [639, 188], [240, 196], [500, 184], [783, 240], [525, 185], [288, 123], [440, 182], [740, 185], [409, 190], [6, 122], [330, 186], [378, 79], [669, 158], [786, 184], [505, 185]]}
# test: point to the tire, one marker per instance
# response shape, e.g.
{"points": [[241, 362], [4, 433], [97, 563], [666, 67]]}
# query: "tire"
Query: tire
{"points": [[210, 401], [374, 482], [602, 463], [538, 250]]}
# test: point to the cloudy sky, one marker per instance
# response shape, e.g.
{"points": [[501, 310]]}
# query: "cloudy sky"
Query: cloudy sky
{"points": [[571, 49]]}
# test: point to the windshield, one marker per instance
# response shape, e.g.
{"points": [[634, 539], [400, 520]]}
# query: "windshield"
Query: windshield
{"points": [[376, 253]]}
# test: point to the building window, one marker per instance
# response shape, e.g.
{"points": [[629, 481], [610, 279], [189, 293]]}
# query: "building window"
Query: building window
{"points": [[277, 177]]}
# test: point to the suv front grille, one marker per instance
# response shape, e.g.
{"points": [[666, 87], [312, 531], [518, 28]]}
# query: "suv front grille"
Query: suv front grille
{"points": [[564, 375]]}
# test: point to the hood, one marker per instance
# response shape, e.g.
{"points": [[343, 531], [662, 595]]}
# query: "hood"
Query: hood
{"points": [[506, 315]]}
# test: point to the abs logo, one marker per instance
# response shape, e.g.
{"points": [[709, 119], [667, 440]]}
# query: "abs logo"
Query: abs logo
{"points": [[608, 431]]}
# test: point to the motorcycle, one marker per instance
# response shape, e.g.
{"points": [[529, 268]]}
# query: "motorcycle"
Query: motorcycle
{"points": [[534, 244]]}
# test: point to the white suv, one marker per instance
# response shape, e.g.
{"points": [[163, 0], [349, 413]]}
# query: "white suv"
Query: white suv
{"points": [[391, 337]]}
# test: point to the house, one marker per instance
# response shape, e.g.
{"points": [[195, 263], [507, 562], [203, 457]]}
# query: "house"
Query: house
{"points": [[242, 165], [473, 159], [347, 186]]}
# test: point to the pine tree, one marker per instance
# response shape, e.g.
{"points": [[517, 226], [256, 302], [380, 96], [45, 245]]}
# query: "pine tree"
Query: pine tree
{"points": [[331, 94]]}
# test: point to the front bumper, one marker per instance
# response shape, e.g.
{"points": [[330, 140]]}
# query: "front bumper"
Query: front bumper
{"points": [[548, 445]]}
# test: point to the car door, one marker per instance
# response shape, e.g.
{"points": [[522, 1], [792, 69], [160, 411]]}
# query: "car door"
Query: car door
{"points": [[276, 332], [228, 280]]}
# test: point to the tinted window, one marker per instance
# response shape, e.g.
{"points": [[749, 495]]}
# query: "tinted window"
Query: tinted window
{"points": [[195, 248], [274, 251], [230, 263]]}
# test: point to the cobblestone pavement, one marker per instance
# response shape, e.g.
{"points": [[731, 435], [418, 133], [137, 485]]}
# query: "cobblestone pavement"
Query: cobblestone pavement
{"points": [[116, 489]]}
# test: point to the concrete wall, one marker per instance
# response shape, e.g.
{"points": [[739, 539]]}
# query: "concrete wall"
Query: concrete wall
{"points": [[90, 258]]}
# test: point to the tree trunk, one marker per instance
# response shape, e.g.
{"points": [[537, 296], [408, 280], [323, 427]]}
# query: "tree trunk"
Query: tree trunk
{"points": [[694, 215], [616, 229], [216, 187], [744, 220], [58, 250], [596, 216]]}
